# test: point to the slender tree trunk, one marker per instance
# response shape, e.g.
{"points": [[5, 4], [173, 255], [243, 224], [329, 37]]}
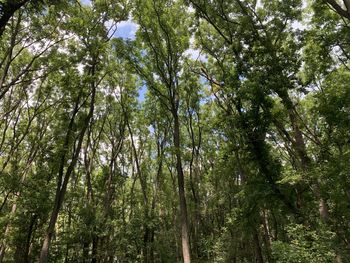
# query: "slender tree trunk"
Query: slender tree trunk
{"points": [[267, 236], [44, 254], [298, 144], [193, 182], [94, 249], [186, 254], [61, 188], [86, 251], [31, 230], [22, 249], [259, 255]]}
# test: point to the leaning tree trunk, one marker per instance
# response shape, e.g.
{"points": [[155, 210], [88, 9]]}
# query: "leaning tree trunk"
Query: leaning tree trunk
{"points": [[8, 10], [62, 186]]}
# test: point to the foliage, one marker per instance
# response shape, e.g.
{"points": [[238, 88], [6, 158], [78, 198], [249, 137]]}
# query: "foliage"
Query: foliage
{"points": [[218, 131], [305, 245]]}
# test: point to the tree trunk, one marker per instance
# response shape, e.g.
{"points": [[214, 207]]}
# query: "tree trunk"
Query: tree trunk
{"points": [[22, 249], [94, 249], [259, 256], [8, 9], [61, 188], [267, 236], [193, 172], [305, 160], [186, 254]]}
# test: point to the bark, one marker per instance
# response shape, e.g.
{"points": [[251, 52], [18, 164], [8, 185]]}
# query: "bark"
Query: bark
{"points": [[322, 205], [298, 144], [22, 250], [8, 9], [347, 5], [337, 8], [94, 249], [8, 58], [267, 237], [181, 189], [259, 255], [193, 171]]}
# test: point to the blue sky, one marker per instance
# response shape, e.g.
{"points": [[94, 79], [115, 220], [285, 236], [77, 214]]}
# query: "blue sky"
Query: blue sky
{"points": [[86, 2], [142, 93], [126, 29]]}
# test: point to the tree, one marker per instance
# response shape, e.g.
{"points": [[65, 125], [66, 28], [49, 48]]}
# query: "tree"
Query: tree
{"points": [[161, 69]]}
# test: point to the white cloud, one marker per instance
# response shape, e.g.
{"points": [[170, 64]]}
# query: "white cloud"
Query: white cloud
{"points": [[127, 29]]}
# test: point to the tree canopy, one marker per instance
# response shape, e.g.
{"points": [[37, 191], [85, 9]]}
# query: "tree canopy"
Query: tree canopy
{"points": [[175, 131]]}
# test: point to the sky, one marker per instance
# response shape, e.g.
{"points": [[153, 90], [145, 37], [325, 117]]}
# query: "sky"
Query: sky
{"points": [[126, 29], [86, 2]]}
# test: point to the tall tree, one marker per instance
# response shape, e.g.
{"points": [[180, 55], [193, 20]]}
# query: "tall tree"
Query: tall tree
{"points": [[164, 41]]}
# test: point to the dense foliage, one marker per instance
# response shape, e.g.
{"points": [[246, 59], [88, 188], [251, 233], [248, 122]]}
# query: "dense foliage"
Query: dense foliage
{"points": [[219, 132]]}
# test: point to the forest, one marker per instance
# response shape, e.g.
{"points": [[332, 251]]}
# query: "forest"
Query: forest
{"points": [[173, 131]]}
